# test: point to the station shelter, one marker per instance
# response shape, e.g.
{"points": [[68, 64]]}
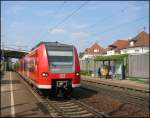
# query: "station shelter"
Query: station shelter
{"points": [[109, 67]]}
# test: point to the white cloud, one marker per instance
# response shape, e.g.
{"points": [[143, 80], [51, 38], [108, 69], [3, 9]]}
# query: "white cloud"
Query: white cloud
{"points": [[57, 30], [80, 35]]}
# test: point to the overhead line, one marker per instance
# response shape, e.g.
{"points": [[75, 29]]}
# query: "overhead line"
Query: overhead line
{"points": [[107, 17], [104, 19], [127, 23], [121, 25], [120, 5], [67, 17]]}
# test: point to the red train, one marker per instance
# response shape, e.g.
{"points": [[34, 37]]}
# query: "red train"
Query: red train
{"points": [[51, 66]]}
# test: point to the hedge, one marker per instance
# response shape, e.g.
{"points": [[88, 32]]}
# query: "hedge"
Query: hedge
{"points": [[121, 56]]}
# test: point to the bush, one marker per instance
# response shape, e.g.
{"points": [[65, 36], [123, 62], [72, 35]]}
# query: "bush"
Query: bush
{"points": [[120, 56], [81, 54]]}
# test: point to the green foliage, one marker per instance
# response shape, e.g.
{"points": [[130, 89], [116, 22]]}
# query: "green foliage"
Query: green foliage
{"points": [[121, 56], [85, 72], [81, 54]]}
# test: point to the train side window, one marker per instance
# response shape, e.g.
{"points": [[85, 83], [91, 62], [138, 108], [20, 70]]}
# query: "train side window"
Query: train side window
{"points": [[22, 65], [31, 65], [17, 65], [25, 65]]}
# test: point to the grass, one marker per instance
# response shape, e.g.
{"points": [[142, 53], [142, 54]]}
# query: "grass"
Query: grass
{"points": [[139, 80]]}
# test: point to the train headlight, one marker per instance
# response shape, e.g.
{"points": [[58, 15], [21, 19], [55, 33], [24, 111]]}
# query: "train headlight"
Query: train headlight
{"points": [[44, 74], [77, 74]]}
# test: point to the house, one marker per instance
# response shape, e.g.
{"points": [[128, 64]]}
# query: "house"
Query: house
{"points": [[137, 45], [116, 46], [94, 50]]}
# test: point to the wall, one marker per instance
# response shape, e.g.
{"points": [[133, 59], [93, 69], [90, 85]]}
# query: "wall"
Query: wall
{"points": [[85, 56], [111, 52], [133, 50], [138, 65]]}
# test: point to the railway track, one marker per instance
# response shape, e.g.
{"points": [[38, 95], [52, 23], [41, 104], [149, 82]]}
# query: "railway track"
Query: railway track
{"points": [[65, 107], [61, 107], [125, 97], [72, 108]]}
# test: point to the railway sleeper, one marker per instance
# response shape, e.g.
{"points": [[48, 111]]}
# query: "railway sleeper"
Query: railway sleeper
{"points": [[83, 115], [71, 107], [82, 112], [60, 103], [65, 105], [72, 110]]}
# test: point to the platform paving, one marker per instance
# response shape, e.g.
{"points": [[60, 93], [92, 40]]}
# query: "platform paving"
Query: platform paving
{"points": [[120, 83], [17, 100]]}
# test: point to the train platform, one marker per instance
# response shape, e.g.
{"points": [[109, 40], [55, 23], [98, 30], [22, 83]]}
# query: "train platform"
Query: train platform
{"points": [[118, 83], [17, 100]]}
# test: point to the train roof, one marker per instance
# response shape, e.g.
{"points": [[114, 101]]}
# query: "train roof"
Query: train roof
{"points": [[52, 44]]}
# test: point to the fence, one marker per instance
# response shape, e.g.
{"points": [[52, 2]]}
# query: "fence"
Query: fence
{"points": [[138, 65]]}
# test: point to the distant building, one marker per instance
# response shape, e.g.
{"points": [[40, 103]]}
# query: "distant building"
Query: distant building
{"points": [[116, 46], [94, 50], [137, 45]]}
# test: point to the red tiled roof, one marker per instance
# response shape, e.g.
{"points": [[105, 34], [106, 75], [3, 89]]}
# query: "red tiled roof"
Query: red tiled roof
{"points": [[142, 39], [93, 47], [118, 44]]}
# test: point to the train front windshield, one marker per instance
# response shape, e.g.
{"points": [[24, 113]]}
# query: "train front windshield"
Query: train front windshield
{"points": [[60, 60]]}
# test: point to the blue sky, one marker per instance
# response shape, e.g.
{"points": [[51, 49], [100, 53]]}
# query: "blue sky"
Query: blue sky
{"points": [[29, 22]]}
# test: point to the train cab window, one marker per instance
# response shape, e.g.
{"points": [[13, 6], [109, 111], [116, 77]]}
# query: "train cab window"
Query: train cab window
{"points": [[61, 61]]}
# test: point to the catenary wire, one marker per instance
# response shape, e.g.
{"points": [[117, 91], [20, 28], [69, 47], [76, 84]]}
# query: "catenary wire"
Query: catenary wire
{"points": [[70, 15]]}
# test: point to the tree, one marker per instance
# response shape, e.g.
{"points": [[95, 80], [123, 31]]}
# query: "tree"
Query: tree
{"points": [[81, 54]]}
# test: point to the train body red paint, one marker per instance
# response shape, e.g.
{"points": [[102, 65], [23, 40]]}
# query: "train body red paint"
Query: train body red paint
{"points": [[51, 65]]}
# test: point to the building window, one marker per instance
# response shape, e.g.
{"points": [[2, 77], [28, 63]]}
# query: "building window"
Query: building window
{"points": [[96, 50], [125, 51], [131, 43]]}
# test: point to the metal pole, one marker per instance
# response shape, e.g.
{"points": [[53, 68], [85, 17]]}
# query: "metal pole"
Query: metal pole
{"points": [[88, 65], [3, 56]]}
